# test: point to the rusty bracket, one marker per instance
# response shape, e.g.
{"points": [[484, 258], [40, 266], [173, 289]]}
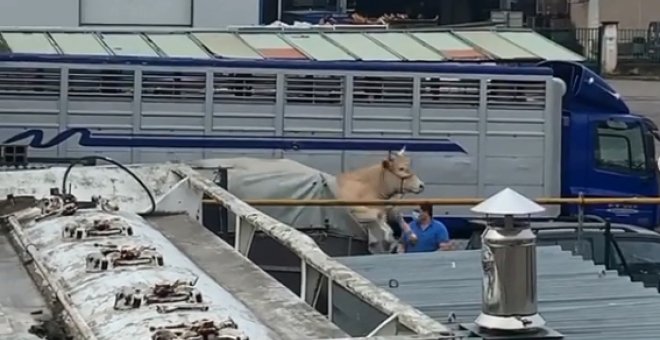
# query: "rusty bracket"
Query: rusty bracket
{"points": [[201, 329], [113, 256], [97, 228], [163, 309]]}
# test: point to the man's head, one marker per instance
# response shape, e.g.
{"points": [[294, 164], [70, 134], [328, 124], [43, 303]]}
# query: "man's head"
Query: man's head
{"points": [[426, 212]]}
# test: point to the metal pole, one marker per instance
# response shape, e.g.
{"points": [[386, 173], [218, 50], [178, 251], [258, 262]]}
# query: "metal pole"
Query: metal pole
{"points": [[578, 245], [284, 202], [223, 177], [279, 9]]}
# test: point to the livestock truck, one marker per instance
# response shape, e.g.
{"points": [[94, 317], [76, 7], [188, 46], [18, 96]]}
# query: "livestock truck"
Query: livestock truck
{"points": [[547, 130]]}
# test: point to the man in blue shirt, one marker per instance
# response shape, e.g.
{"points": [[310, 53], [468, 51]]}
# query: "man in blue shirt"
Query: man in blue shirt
{"points": [[431, 235]]}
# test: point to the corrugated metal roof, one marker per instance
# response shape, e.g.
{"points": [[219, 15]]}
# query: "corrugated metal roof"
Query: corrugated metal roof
{"points": [[271, 46], [450, 46], [541, 46], [317, 47], [496, 45], [178, 46], [128, 44], [576, 298], [226, 45], [79, 43], [20, 42], [406, 46], [362, 47], [260, 43]]}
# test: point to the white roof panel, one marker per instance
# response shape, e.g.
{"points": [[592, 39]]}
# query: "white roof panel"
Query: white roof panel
{"points": [[128, 44], [79, 43], [178, 46], [20, 42]]}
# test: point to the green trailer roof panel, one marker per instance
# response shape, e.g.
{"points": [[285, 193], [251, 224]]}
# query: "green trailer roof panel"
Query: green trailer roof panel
{"points": [[450, 46], [362, 47], [317, 47], [79, 43], [271, 46], [406, 46], [124, 44], [226, 45], [20, 42], [541, 46], [178, 46], [495, 45]]}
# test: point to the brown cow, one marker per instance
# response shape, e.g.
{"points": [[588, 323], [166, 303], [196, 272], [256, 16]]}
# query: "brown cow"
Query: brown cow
{"points": [[384, 180]]}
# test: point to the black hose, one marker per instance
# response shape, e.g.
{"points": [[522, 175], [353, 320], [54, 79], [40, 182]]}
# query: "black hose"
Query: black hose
{"points": [[118, 164]]}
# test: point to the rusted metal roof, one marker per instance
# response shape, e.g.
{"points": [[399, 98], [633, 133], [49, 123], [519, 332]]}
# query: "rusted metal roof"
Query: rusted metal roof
{"points": [[272, 46], [226, 45], [406, 46], [450, 46], [318, 47], [362, 47], [323, 44]]}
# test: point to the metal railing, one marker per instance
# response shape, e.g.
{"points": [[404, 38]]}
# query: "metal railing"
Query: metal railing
{"points": [[317, 268], [444, 201]]}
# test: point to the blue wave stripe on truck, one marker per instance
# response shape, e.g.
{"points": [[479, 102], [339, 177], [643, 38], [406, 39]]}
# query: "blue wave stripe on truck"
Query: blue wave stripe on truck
{"points": [[35, 138]]}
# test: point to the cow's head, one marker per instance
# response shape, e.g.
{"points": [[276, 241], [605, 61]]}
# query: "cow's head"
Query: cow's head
{"points": [[403, 180]]}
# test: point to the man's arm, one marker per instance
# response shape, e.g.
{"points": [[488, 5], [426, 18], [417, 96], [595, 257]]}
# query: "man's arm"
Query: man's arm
{"points": [[444, 243], [406, 231]]}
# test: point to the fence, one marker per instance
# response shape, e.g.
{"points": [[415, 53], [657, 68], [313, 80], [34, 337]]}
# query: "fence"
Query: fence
{"points": [[321, 276], [634, 45]]}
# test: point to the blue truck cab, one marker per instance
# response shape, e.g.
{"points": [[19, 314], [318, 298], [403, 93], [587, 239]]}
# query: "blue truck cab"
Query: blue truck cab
{"points": [[607, 150]]}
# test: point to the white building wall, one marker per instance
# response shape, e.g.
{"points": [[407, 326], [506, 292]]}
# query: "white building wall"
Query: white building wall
{"points": [[75, 13]]}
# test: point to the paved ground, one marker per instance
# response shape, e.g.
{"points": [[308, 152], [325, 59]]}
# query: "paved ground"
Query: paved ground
{"points": [[641, 96]]}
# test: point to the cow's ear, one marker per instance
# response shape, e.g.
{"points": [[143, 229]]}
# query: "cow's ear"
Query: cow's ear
{"points": [[386, 163]]}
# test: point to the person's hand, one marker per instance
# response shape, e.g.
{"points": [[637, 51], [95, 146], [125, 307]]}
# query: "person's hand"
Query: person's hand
{"points": [[449, 245], [412, 238]]}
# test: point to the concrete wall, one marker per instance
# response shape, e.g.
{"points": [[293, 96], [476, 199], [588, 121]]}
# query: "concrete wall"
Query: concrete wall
{"points": [[579, 14], [631, 14], [39, 13], [75, 13]]}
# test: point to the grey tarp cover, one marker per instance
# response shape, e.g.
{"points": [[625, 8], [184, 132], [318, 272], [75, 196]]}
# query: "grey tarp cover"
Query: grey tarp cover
{"points": [[256, 178]]}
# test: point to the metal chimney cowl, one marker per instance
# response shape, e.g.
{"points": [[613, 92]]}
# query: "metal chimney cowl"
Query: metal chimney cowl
{"points": [[509, 294]]}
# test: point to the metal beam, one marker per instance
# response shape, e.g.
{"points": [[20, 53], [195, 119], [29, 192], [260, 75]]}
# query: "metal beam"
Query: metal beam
{"points": [[444, 201]]}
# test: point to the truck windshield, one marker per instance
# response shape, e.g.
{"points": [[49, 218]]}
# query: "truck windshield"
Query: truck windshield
{"points": [[620, 147]]}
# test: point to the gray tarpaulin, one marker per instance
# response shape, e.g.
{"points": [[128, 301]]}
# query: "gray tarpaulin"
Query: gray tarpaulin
{"points": [[255, 178]]}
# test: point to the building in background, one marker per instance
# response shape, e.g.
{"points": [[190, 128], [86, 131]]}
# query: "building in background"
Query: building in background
{"points": [[630, 14], [137, 13]]}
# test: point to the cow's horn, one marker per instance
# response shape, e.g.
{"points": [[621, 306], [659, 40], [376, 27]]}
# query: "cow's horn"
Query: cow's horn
{"points": [[403, 149]]}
